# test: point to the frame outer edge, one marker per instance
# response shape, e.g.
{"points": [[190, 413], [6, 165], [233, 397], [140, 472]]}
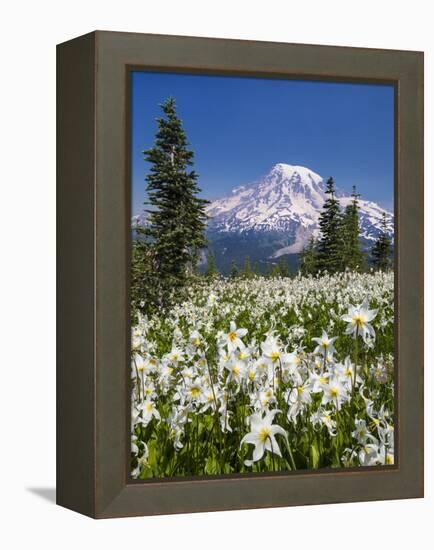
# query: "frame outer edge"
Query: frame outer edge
{"points": [[115, 496], [75, 403]]}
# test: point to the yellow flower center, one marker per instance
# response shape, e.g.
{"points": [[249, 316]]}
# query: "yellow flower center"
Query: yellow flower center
{"points": [[389, 459], [196, 342], [275, 355], [322, 380], [232, 336], [149, 407], [235, 370], [251, 375], [358, 320], [194, 391], [300, 390], [334, 392], [264, 433]]}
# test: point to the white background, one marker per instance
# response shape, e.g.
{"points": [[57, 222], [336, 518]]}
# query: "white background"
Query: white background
{"points": [[29, 32]]}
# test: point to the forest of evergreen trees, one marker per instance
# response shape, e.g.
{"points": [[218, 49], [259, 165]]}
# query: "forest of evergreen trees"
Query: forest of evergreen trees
{"points": [[338, 246], [166, 251]]}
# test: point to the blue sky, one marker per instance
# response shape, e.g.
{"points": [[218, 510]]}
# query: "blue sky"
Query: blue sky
{"points": [[240, 127]]}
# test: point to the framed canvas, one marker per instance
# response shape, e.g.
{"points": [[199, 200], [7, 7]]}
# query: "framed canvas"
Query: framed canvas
{"points": [[240, 274]]}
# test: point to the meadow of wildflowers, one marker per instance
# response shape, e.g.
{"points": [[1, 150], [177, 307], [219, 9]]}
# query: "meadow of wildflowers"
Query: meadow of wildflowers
{"points": [[266, 374]]}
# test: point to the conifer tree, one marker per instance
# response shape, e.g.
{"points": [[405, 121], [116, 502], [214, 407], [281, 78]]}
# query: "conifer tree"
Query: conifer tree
{"points": [[275, 270], [352, 255], [257, 269], [211, 267], [177, 216], [283, 267], [330, 241], [234, 270], [143, 283], [247, 271], [382, 249], [308, 258]]}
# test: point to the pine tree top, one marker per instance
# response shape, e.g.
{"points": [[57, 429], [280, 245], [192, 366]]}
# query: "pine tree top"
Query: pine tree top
{"points": [[330, 187]]}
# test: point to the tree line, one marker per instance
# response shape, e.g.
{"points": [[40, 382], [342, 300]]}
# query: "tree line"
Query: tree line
{"points": [[338, 246], [247, 270]]}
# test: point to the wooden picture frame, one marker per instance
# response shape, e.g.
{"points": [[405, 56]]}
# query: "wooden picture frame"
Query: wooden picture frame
{"points": [[93, 431]]}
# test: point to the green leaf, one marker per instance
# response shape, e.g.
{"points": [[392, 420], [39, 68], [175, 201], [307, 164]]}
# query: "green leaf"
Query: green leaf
{"points": [[314, 456]]}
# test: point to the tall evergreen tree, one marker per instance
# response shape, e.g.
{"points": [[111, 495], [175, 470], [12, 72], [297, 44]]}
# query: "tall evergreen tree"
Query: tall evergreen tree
{"points": [[330, 241], [352, 255], [283, 267], [143, 277], [211, 266], [274, 271], [234, 270], [177, 216], [247, 271], [382, 249], [257, 269], [308, 258]]}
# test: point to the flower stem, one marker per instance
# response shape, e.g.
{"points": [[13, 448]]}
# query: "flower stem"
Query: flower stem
{"points": [[217, 416], [356, 359]]}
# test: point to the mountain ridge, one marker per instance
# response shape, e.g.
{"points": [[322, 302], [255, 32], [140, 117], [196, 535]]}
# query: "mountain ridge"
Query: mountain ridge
{"points": [[287, 199], [275, 216]]}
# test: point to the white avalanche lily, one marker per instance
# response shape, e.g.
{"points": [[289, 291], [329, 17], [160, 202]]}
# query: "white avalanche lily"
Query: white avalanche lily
{"points": [[142, 461], [358, 318], [298, 398], [233, 338], [262, 435], [325, 345], [361, 433], [237, 370], [149, 411], [271, 349], [345, 371], [335, 392], [368, 455]]}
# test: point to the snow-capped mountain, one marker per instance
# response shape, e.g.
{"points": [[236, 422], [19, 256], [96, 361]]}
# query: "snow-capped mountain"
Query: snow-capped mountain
{"points": [[285, 205], [139, 219], [275, 216]]}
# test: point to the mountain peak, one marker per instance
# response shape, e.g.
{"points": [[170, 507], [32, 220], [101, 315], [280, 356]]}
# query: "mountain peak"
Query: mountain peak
{"points": [[288, 201], [291, 171]]}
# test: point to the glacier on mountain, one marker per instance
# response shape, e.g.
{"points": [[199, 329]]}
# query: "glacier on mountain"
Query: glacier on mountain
{"points": [[288, 200]]}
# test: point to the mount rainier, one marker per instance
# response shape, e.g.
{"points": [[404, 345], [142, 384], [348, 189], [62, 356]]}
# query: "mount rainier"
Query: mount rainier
{"points": [[277, 214]]}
